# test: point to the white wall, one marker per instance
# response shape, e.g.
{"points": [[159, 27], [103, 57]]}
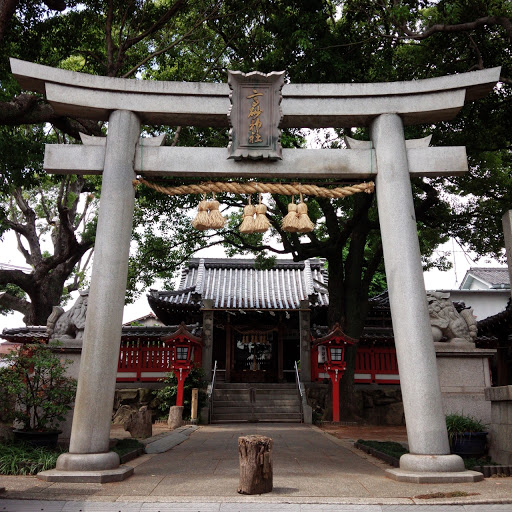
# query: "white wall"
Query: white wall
{"points": [[484, 302]]}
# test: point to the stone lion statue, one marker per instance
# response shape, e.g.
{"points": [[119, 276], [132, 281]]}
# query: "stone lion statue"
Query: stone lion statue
{"points": [[447, 323], [68, 325]]}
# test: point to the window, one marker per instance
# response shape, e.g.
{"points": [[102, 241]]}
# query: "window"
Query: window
{"points": [[336, 354], [181, 353]]}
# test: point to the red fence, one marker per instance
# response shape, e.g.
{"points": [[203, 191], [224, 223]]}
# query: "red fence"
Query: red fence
{"points": [[375, 365], [144, 364], [151, 362]]}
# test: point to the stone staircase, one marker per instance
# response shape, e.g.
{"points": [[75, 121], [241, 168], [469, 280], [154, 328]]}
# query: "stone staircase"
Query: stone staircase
{"points": [[237, 403]]}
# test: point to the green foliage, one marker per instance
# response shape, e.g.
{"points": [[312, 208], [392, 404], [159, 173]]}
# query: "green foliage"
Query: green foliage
{"points": [[167, 394], [36, 378], [391, 448], [22, 459], [460, 423], [127, 445]]}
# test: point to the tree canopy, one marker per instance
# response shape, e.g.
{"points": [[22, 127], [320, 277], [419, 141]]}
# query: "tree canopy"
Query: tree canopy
{"points": [[314, 41]]}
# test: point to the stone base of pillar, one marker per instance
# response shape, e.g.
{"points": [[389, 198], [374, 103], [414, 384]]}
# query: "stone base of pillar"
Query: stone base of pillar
{"points": [[433, 469], [432, 477], [86, 477], [88, 461], [431, 463]]}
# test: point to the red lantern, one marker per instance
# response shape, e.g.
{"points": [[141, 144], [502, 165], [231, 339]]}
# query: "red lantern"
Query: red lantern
{"points": [[335, 365], [185, 347]]}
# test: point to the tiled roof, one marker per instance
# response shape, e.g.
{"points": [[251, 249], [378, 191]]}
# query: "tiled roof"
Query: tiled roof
{"points": [[237, 284], [129, 333], [495, 277]]}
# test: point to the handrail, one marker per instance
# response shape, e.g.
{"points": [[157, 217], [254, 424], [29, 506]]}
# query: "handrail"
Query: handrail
{"points": [[211, 387], [297, 378], [299, 387]]}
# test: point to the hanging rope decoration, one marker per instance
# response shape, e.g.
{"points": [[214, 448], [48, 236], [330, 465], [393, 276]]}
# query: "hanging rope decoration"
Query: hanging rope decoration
{"points": [[217, 221], [290, 220], [304, 224], [247, 225], [296, 221], [261, 222], [202, 222]]}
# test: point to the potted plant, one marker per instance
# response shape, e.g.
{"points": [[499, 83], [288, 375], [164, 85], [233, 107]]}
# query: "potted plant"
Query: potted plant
{"points": [[467, 435], [36, 377]]}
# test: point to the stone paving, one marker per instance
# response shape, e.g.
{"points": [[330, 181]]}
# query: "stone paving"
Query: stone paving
{"points": [[311, 467]]}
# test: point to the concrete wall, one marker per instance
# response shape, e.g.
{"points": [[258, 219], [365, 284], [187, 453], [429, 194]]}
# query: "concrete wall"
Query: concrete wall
{"points": [[70, 350], [464, 373], [500, 432]]}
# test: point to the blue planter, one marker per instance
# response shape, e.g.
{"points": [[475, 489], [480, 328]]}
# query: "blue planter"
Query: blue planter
{"points": [[469, 444]]}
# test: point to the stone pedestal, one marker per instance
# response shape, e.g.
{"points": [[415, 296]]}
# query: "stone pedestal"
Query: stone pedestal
{"points": [[70, 350], [464, 373], [500, 431], [175, 419]]}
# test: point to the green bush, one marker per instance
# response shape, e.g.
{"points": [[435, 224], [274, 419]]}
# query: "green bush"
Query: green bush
{"points": [[459, 423], [36, 378], [126, 445], [167, 395], [388, 447], [22, 459]]}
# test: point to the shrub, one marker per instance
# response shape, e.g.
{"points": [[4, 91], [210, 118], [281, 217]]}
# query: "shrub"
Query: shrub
{"points": [[460, 423], [167, 395], [36, 378], [21, 459]]}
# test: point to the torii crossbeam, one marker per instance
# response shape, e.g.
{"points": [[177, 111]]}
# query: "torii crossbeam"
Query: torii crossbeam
{"points": [[385, 108]]}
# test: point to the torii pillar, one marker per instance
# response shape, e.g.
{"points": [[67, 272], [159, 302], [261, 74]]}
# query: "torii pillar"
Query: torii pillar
{"points": [[384, 107], [421, 392]]}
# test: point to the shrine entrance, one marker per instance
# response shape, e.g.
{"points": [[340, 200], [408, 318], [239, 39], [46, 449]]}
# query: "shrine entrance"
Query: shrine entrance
{"points": [[384, 108], [257, 350]]}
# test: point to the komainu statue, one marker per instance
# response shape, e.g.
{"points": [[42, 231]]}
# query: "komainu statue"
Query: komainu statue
{"points": [[447, 323], [68, 325]]}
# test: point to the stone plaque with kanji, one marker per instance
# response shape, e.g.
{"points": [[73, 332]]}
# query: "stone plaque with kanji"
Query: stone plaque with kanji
{"points": [[255, 115]]}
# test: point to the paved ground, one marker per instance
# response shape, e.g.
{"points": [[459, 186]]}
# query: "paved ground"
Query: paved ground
{"points": [[311, 467]]}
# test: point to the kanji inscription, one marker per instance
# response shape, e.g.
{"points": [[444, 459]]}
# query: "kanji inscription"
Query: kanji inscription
{"points": [[255, 115]]}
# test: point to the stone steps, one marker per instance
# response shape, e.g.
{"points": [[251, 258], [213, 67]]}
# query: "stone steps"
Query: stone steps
{"points": [[255, 402]]}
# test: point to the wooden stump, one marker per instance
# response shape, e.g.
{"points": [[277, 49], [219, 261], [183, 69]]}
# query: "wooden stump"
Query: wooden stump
{"points": [[255, 464]]}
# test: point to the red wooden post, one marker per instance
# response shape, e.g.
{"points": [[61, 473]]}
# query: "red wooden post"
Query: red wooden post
{"points": [[335, 395], [181, 375]]}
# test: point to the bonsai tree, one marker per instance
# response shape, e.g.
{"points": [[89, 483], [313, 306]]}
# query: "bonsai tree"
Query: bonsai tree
{"points": [[36, 378]]}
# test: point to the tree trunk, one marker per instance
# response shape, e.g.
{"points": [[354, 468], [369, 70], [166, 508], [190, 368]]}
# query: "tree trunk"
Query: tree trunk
{"points": [[256, 474]]}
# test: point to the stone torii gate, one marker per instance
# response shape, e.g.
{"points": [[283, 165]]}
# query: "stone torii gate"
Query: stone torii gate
{"points": [[385, 108]]}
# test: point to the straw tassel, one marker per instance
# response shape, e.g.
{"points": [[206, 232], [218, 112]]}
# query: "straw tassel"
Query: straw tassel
{"points": [[247, 225], [202, 221], [304, 223], [290, 221], [261, 223], [215, 218]]}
